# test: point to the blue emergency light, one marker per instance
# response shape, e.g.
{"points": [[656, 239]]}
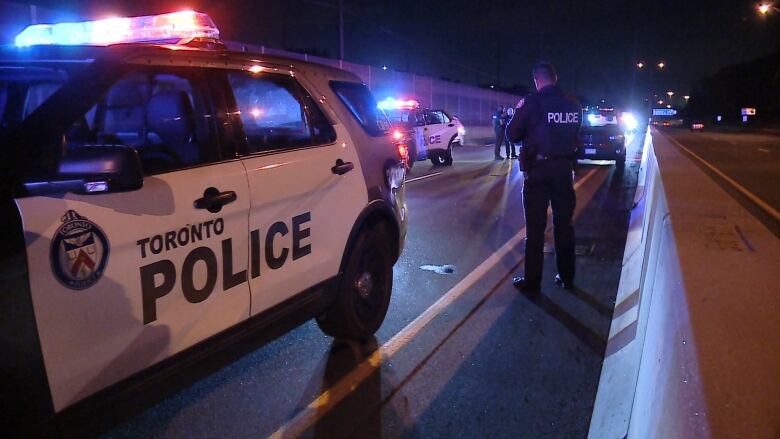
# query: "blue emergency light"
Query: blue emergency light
{"points": [[174, 26], [398, 104]]}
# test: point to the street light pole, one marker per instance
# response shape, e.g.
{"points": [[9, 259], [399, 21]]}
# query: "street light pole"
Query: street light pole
{"points": [[341, 30]]}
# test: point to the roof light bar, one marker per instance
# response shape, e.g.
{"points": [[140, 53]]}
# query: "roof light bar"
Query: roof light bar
{"points": [[398, 104], [178, 26]]}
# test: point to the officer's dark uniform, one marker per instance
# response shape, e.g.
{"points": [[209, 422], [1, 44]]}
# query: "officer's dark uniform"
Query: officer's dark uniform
{"points": [[499, 124], [548, 124], [511, 150]]}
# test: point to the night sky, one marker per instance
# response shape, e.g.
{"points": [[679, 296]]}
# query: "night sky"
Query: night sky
{"points": [[594, 44]]}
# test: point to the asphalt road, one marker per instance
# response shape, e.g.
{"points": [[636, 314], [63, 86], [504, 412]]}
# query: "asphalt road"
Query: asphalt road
{"points": [[461, 354], [752, 160]]}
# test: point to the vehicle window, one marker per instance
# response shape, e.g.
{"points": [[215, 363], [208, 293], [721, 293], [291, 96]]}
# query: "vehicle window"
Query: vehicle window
{"points": [[363, 106], [401, 116], [600, 130], [420, 119], [434, 117], [166, 117], [322, 129], [24, 89], [443, 116], [276, 113]]}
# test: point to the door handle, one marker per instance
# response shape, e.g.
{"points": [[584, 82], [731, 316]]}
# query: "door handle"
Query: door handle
{"points": [[213, 199], [342, 167], [451, 125]]}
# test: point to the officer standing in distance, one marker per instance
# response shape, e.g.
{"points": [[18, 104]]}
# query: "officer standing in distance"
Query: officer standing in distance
{"points": [[499, 125], [511, 150], [548, 124]]}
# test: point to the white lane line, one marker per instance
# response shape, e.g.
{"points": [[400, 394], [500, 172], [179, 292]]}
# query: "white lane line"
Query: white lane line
{"points": [[423, 177], [332, 396], [758, 201]]}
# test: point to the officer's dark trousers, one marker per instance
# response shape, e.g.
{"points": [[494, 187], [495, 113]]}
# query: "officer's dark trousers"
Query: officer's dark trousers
{"points": [[510, 148], [499, 141], [549, 183]]}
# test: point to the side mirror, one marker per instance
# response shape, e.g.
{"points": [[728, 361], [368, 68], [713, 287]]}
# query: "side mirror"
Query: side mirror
{"points": [[94, 170]]}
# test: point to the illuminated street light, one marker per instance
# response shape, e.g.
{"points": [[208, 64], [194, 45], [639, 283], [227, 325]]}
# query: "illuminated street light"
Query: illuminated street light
{"points": [[660, 102], [640, 65], [661, 65], [668, 106], [670, 93], [686, 97], [384, 67]]}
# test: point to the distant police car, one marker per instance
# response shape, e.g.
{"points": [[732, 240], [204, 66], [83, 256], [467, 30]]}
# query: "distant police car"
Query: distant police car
{"points": [[432, 132], [601, 136], [158, 196]]}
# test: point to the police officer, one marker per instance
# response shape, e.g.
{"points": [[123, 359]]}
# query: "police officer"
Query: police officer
{"points": [[548, 124], [511, 151], [499, 124]]}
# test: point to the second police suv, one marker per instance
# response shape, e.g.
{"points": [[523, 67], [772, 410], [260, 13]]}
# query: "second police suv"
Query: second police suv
{"points": [[428, 134], [160, 192]]}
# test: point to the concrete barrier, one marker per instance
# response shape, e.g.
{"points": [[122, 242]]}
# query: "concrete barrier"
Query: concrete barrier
{"points": [[693, 346]]}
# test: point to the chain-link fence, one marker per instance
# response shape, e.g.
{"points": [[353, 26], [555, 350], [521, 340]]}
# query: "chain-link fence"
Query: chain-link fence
{"points": [[474, 106]]}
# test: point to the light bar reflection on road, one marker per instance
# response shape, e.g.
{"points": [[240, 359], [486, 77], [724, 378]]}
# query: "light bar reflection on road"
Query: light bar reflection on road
{"points": [[183, 25]]}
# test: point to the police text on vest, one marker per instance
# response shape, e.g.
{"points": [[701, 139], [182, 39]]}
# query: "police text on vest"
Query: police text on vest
{"points": [[563, 118]]}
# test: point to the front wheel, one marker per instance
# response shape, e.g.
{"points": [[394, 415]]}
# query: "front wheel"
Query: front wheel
{"points": [[443, 158], [364, 288]]}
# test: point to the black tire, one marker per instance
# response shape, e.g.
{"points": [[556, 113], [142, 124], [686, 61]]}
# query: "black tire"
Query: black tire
{"points": [[443, 158], [364, 289]]}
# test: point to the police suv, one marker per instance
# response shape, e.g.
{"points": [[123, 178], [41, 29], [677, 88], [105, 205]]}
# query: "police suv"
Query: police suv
{"points": [[160, 193], [601, 136], [432, 133]]}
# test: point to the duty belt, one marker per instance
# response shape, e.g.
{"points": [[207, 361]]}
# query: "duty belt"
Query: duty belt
{"points": [[542, 157]]}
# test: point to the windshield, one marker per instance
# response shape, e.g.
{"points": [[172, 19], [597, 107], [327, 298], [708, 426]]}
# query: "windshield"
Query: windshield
{"points": [[400, 117], [24, 88]]}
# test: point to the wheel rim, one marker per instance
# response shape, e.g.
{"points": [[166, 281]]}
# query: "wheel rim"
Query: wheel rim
{"points": [[440, 159], [368, 284], [364, 285]]}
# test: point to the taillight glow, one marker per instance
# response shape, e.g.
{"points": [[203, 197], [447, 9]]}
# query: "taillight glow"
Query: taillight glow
{"points": [[403, 151], [398, 135]]}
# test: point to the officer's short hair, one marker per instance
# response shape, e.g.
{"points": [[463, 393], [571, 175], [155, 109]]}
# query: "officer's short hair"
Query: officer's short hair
{"points": [[545, 70]]}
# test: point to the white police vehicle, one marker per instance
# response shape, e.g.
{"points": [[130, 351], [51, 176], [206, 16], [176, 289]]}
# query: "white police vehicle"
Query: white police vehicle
{"points": [[431, 133], [160, 194]]}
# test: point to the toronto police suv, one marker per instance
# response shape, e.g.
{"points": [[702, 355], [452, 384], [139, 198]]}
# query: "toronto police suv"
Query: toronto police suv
{"points": [[431, 133], [160, 194]]}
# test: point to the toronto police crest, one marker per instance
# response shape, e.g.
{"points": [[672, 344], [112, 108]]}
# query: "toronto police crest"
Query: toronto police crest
{"points": [[79, 252]]}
